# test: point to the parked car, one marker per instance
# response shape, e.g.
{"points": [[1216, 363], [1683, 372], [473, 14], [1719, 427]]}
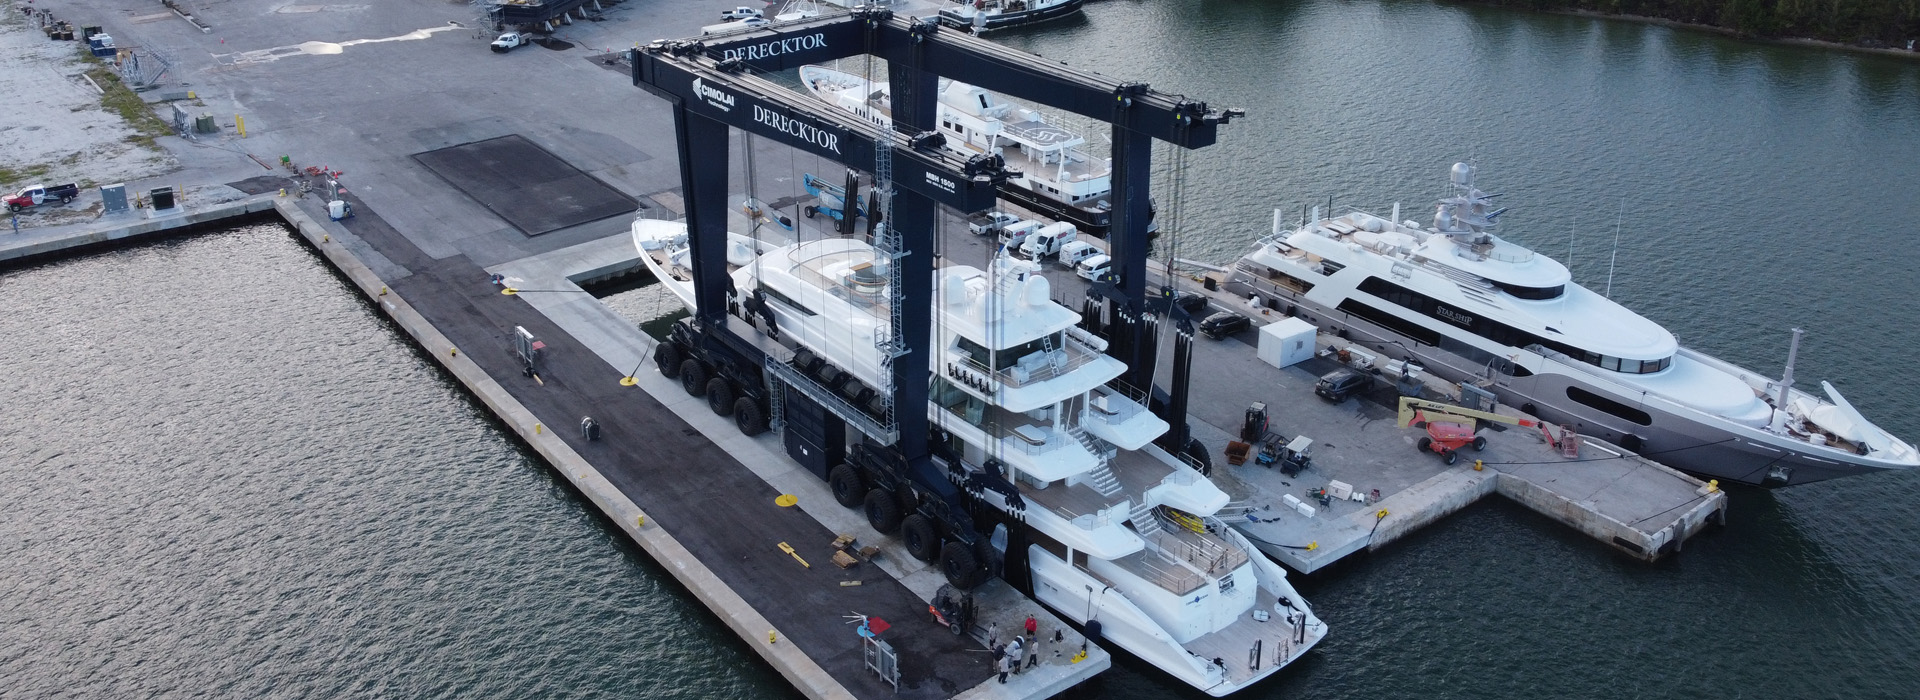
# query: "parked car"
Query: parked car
{"points": [[1015, 234], [1094, 268], [740, 13], [1048, 239], [36, 195], [1193, 304], [991, 223], [1224, 324], [1339, 384], [1072, 253], [510, 40]]}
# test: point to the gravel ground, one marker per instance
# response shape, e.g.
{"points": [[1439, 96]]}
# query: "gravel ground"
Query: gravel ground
{"points": [[54, 119]]}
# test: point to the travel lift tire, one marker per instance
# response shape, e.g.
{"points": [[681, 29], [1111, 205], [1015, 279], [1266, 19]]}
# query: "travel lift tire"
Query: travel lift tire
{"points": [[668, 359], [921, 541], [746, 417], [693, 377], [958, 563], [848, 488], [883, 513], [720, 396]]}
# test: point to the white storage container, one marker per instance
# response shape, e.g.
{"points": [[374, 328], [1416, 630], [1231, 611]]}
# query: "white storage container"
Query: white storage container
{"points": [[1285, 343]]}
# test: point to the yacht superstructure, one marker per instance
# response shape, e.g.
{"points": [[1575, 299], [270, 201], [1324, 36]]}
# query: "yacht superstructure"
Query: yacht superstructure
{"points": [[1475, 308], [1058, 178], [1122, 534]]}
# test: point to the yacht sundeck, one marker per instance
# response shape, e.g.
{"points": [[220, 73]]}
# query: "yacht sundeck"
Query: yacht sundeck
{"points": [[1475, 308]]}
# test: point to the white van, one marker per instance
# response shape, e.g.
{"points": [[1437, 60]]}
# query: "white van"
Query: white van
{"points": [[1048, 240], [1072, 253], [1095, 267], [1015, 235]]}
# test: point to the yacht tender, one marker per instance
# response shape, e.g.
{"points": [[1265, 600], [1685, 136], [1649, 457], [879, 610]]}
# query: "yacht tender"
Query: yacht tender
{"points": [[1473, 307]]}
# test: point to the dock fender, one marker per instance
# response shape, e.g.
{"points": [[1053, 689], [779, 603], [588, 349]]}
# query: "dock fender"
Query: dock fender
{"points": [[1093, 631]]}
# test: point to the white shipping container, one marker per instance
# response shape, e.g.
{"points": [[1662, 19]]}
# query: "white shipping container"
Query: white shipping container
{"points": [[1285, 343]]}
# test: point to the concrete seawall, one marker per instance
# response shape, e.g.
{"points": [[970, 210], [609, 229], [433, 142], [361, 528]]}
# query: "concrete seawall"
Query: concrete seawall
{"points": [[749, 624], [26, 247]]}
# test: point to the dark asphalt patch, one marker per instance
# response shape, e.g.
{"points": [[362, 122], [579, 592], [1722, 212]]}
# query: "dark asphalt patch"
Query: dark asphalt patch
{"points": [[532, 189]]}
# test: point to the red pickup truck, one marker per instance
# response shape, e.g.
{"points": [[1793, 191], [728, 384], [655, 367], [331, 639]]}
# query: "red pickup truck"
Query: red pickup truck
{"points": [[36, 195]]}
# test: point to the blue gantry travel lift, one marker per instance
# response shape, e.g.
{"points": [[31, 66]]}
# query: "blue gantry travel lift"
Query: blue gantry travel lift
{"points": [[897, 471]]}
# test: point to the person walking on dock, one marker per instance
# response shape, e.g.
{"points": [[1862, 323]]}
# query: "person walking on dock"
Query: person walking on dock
{"points": [[1003, 664], [1013, 653]]}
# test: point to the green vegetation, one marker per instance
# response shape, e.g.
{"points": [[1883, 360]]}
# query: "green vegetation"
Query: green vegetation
{"points": [[1872, 23], [121, 100], [13, 177]]}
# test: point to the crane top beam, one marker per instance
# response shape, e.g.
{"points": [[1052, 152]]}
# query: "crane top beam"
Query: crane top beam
{"points": [[951, 54], [681, 72]]}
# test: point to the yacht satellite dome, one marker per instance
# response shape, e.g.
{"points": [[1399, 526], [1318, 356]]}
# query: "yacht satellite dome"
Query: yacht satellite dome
{"points": [[1038, 291]]}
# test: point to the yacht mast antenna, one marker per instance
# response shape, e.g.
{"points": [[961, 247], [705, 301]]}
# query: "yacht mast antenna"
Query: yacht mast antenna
{"points": [[1786, 377], [1616, 247]]}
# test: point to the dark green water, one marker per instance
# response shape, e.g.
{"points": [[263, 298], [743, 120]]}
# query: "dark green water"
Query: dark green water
{"points": [[1756, 188], [224, 477]]}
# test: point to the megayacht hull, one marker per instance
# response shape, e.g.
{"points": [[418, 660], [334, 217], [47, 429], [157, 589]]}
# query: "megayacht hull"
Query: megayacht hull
{"points": [[1011, 19], [1729, 454]]}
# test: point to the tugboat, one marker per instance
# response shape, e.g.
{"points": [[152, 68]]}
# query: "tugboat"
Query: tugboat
{"points": [[1473, 307]]}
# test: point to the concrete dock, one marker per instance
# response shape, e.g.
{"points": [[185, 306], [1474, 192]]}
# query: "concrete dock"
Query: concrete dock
{"points": [[1632, 504]]}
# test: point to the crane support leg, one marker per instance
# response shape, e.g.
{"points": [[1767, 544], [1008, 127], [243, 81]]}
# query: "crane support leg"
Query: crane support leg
{"points": [[703, 185], [913, 214], [1132, 170]]}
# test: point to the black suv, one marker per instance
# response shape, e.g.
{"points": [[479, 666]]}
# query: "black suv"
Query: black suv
{"points": [[1224, 324], [1191, 302], [1339, 384]]}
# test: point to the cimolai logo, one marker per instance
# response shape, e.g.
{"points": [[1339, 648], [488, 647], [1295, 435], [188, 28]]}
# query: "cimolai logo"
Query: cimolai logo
{"points": [[714, 96], [769, 49], [796, 128]]}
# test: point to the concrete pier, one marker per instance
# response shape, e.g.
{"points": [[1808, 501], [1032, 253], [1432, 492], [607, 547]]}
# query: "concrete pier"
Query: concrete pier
{"points": [[1635, 505]]}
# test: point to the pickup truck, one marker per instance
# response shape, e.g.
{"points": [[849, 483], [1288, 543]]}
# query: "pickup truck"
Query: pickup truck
{"points": [[35, 195], [991, 222], [509, 40], [740, 13]]}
